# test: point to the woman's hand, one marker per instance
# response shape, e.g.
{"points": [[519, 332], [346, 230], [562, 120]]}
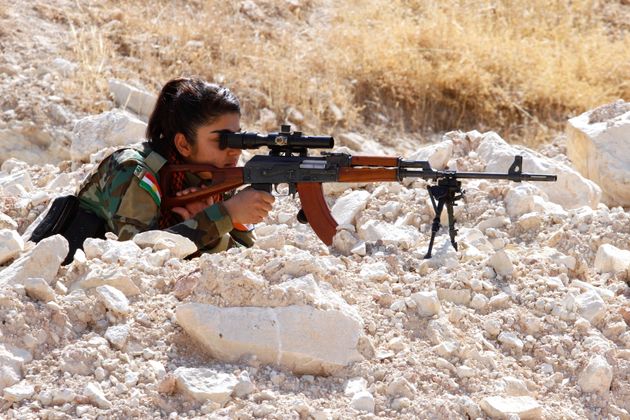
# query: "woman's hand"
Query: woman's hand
{"points": [[194, 207], [249, 206]]}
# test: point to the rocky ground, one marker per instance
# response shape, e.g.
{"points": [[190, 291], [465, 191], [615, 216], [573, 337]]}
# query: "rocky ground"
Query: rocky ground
{"points": [[528, 318]]}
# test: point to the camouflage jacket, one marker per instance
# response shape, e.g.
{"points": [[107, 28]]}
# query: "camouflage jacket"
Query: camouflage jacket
{"points": [[124, 191]]}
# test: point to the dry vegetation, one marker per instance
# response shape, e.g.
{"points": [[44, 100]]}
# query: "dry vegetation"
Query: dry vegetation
{"points": [[520, 68]]}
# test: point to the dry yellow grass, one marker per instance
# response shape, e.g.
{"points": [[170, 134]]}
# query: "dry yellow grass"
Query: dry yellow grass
{"points": [[520, 68]]}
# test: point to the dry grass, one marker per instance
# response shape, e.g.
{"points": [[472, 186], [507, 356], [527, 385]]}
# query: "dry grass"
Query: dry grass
{"points": [[520, 68]]}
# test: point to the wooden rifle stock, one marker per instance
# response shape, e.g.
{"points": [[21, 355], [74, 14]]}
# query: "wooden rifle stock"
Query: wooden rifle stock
{"points": [[223, 179]]}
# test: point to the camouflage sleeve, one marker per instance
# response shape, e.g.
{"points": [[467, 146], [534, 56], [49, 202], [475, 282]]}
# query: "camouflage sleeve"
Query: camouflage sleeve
{"points": [[132, 208], [207, 227], [137, 209]]}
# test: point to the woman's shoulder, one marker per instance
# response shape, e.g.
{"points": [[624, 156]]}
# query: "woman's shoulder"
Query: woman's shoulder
{"points": [[141, 154]]}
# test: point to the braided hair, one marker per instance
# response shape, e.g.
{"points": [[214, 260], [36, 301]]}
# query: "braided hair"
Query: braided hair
{"points": [[184, 104]]}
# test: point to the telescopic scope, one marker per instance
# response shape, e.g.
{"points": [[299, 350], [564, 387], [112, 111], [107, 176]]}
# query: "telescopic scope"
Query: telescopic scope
{"points": [[285, 140]]}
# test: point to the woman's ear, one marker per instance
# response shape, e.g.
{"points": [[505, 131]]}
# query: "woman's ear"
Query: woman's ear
{"points": [[181, 144]]}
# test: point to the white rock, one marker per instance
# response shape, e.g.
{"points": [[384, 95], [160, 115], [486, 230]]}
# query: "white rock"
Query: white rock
{"points": [[501, 263], [11, 244], [300, 338], [378, 271], [201, 384], [134, 99], [157, 368], [427, 303], [114, 276], [19, 392], [178, 245], [12, 360], [62, 396], [610, 259], [446, 348], [349, 205], [511, 341], [37, 288], [457, 296], [118, 335], [401, 387], [355, 385], [571, 190], [43, 262], [363, 401], [97, 132], [479, 301], [515, 387], [506, 407], [597, 376], [598, 144], [244, 387], [7, 223], [591, 306], [437, 154], [113, 299], [95, 395], [403, 236]]}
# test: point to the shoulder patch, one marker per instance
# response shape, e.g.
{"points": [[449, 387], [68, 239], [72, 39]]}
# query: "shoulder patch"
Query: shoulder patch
{"points": [[149, 184]]}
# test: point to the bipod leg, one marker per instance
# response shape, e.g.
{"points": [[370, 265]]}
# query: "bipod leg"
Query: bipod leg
{"points": [[436, 191], [452, 232]]}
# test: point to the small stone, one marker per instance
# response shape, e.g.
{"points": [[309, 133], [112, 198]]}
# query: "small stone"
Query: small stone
{"points": [[113, 299], [95, 395], [201, 384], [511, 341], [157, 368], [19, 392], [37, 288], [501, 263], [506, 407], [62, 396], [11, 244], [427, 303], [479, 301], [355, 385], [118, 335], [363, 401], [401, 387], [597, 376], [244, 387]]}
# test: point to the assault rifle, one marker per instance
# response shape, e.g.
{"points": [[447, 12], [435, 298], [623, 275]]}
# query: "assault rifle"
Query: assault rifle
{"points": [[288, 162]]}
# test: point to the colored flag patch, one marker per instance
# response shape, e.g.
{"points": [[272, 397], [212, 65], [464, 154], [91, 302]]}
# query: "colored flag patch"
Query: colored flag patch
{"points": [[150, 184]]}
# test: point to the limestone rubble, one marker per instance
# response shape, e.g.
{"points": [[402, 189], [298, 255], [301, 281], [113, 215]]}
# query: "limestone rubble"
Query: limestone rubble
{"points": [[529, 317]]}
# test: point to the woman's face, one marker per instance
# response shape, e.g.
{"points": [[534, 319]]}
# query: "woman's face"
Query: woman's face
{"points": [[206, 149]]}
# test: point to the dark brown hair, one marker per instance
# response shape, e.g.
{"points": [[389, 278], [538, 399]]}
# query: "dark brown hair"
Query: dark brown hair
{"points": [[185, 104]]}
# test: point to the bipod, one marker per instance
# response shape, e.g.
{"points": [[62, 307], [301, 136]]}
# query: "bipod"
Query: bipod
{"points": [[446, 192]]}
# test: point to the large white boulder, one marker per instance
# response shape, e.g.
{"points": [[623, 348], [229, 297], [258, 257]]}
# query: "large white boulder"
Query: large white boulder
{"points": [[303, 339], [571, 190], [348, 206], [42, 262], [97, 132], [598, 144], [437, 154]]}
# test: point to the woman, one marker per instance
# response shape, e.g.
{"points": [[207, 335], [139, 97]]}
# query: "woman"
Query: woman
{"points": [[123, 193]]}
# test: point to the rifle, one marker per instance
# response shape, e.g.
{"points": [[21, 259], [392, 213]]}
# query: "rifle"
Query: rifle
{"points": [[288, 162]]}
